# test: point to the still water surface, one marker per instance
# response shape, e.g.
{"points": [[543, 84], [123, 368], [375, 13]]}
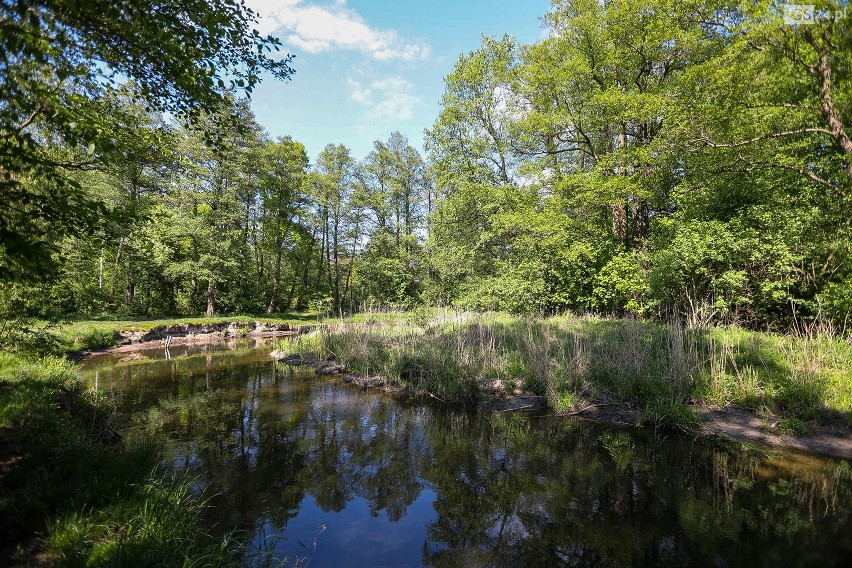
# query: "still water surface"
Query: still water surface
{"points": [[324, 473]]}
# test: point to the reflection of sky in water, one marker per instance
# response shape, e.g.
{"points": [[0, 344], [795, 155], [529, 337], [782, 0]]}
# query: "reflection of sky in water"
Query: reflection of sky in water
{"points": [[338, 476], [353, 536]]}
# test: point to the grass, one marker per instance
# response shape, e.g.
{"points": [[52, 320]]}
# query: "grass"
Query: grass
{"points": [[73, 494], [660, 370], [71, 335]]}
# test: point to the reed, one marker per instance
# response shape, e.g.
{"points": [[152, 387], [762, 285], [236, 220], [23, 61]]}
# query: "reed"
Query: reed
{"points": [[74, 493], [663, 370]]}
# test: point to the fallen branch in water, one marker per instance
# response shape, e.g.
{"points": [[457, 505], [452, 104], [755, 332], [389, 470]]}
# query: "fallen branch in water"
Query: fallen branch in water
{"points": [[516, 408], [585, 408]]}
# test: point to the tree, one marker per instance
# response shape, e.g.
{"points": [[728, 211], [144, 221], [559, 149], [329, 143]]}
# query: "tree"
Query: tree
{"points": [[284, 165], [58, 61], [206, 221], [762, 127], [395, 188], [780, 91], [103, 270], [470, 141], [341, 219]]}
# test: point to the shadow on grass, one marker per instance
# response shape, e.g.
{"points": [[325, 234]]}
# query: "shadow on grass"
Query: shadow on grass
{"points": [[71, 492], [656, 368]]}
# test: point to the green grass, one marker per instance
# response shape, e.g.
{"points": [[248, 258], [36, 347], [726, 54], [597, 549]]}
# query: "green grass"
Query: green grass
{"points": [[69, 336], [72, 493], [660, 370]]}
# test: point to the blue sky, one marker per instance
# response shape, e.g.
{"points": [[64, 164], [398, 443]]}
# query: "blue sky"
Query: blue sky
{"points": [[367, 67]]}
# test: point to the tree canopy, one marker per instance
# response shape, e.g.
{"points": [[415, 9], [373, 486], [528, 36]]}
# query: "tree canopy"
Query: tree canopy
{"points": [[659, 158], [61, 59]]}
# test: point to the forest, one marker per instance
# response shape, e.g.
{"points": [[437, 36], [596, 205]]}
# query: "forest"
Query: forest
{"points": [[660, 159], [646, 213]]}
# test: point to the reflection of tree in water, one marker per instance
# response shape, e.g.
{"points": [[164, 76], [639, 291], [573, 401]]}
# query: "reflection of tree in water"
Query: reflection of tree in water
{"points": [[260, 448], [509, 490], [519, 492], [363, 446]]}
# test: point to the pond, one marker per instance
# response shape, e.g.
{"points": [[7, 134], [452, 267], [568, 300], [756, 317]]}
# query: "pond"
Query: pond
{"points": [[325, 474]]}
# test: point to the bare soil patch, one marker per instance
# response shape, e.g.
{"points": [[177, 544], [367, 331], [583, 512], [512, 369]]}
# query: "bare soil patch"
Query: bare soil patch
{"points": [[741, 424]]}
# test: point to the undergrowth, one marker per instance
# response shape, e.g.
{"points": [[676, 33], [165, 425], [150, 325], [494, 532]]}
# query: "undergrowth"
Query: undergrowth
{"points": [[661, 370], [72, 493]]}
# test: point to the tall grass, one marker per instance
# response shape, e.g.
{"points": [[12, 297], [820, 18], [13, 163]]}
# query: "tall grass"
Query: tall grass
{"points": [[661, 370], [74, 494]]}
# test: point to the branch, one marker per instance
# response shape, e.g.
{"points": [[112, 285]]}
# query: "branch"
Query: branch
{"points": [[783, 105], [772, 136], [813, 177], [808, 174]]}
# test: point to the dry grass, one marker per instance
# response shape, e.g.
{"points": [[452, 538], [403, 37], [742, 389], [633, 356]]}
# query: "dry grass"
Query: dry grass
{"points": [[659, 369]]}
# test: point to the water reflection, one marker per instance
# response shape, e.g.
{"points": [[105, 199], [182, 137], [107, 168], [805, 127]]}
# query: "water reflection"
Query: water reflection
{"points": [[314, 469]]}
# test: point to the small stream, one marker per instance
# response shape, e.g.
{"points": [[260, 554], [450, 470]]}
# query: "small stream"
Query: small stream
{"points": [[320, 472]]}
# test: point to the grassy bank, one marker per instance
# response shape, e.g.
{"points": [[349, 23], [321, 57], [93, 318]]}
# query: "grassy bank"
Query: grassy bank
{"points": [[73, 494], [69, 336], [660, 370]]}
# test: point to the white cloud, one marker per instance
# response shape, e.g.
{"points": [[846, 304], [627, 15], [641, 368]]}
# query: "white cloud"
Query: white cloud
{"points": [[389, 100], [317, 29]]}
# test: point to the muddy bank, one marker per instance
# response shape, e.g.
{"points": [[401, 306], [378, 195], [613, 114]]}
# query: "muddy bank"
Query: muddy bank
{"points": [[189, 331], [729, 422], [740, 424], [192, 333]]}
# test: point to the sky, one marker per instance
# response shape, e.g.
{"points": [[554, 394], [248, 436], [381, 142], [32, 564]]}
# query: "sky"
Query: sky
{"points": [[365, 68]]}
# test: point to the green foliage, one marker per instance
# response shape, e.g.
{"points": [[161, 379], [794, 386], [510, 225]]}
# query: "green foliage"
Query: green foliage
{"points": [[69, 477], [649, 157], [389, 273], [658, 369], [621, 285], [60, 61]]}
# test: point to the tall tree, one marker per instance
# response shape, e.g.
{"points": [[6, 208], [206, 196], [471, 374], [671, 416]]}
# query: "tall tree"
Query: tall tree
{"points": [[395, 187], [208, 207], [341, 217], [470, 141], [58, 60], [284, 165]]}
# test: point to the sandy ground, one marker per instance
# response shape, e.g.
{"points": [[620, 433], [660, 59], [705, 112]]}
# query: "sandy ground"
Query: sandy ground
{"points": [[190, 339]]}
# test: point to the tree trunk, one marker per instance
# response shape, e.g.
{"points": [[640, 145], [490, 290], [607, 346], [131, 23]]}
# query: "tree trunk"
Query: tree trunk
{"points": [[823, 72], [276, 283], [336, 264], [115, 269], [285, 306], [351, 263], [101, 270], [301, 303], [211, 299], [620, 210], [129, 294], [409, 228], [130, 290], [619, 223]]}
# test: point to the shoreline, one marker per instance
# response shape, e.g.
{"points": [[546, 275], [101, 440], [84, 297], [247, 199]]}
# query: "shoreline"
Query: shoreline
{"points": [[729, 422], [189, 334]]}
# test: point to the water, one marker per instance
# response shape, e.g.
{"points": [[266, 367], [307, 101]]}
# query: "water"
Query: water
{"points": [[325, 474]]}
